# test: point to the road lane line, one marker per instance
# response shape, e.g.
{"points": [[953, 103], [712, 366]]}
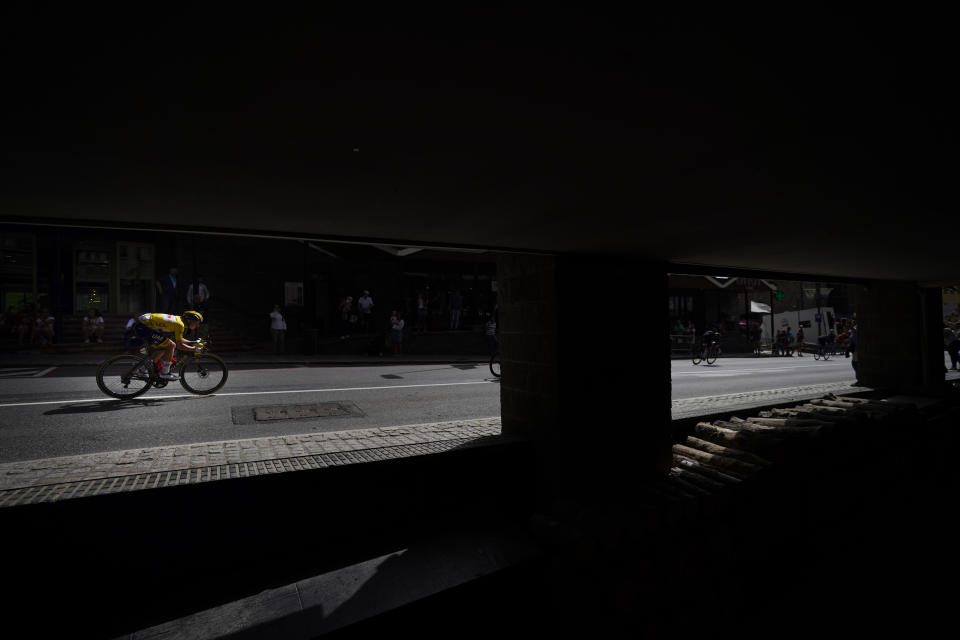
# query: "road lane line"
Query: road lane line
{"points": [[248, 393]]}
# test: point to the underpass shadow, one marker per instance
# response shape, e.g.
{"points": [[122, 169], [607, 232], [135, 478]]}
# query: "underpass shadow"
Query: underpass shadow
{"points": [[113, 405], [466, 366]]}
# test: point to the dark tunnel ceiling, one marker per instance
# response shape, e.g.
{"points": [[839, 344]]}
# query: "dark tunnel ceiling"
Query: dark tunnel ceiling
{"points": [[821, 144]]}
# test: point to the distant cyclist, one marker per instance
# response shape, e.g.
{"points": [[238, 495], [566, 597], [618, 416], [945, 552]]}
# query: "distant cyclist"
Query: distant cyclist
{"points": [[710, 337], [151, 327]]}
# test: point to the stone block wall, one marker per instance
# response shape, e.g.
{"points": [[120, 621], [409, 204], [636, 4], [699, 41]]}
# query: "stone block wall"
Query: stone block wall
{"points": [[899, 342]]}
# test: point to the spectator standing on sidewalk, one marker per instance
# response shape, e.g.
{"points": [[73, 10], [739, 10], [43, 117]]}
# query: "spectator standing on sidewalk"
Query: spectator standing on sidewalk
{"points": [[396, 333], [422, 308], [799, 343], [852, 345], [25, 327], [167, 288], [755, 334], [951, 342], [92, 326], [491, 332], [346, 314], [788, 342], [456, 304], [200, 301], [365, 305], [278, 330]]}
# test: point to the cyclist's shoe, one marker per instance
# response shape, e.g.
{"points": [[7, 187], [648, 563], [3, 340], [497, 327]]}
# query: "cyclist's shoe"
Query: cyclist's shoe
{"points": [[169, 376]]}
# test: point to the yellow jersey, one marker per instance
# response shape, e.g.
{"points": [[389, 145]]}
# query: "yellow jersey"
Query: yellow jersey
{"points": [[164, 322]]}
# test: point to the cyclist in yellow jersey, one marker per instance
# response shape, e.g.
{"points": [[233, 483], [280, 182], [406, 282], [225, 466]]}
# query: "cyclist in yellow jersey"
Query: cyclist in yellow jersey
{"points": [[150, 328]]}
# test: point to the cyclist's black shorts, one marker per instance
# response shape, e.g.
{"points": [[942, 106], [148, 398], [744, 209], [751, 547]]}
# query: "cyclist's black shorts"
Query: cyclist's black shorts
{"points": [[140, 334]]}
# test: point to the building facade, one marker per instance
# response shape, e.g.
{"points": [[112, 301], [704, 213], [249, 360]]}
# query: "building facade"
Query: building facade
{"points": [[116, 272]]}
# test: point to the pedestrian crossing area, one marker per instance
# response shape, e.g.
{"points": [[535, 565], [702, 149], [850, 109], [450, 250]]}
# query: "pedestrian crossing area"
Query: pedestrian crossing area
{"points": [[25, 372]]}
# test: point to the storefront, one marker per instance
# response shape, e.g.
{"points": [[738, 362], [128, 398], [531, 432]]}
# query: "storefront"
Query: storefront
{"points": [[18, 269], [70, 271]]}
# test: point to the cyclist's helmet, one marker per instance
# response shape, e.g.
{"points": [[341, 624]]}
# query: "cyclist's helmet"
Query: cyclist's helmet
{"points": [[192, 314]]}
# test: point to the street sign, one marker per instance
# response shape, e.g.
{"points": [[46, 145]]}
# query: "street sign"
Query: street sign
{"points": [[819, 318], [779, 294]]}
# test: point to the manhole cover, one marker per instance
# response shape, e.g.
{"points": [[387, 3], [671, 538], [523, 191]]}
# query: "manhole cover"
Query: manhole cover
{"points": [[272, 413]]}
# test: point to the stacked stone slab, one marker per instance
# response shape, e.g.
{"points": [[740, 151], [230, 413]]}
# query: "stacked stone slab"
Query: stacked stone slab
{"points": [[724, 456]]}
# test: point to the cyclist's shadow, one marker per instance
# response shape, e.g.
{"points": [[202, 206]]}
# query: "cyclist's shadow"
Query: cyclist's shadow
{"points": [[111, 405]]}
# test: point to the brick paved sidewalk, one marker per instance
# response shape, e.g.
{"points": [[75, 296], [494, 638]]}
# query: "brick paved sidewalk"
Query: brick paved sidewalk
{"points": [[51, 479]]}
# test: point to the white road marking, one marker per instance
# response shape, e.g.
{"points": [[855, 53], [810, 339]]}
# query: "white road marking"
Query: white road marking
{"points": [[249, 393], [27, 372]]}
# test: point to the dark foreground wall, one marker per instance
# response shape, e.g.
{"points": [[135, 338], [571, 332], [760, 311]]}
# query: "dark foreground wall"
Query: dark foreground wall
{"points": [[111, 564]]}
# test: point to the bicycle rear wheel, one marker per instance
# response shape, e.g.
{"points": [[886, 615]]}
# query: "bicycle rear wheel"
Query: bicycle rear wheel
{"points": [[125, 376], [202, 373], [495, 364]]}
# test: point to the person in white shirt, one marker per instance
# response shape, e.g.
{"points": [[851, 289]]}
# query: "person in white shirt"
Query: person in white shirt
{"points": [[200, 302], [278, 327], [951, 342], [365, 303]]}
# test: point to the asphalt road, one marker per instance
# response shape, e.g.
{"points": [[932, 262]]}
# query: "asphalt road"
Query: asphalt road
{"points": [[51, 412], [737, 375], [64, 413]]}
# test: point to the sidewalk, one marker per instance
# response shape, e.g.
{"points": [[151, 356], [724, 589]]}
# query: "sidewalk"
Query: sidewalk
{"points": [[53, 479]]}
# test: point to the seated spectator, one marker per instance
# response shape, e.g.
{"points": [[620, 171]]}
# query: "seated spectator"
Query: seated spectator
{"points": [[25, 325], [43, 328], [8, 319], [92, 326]]}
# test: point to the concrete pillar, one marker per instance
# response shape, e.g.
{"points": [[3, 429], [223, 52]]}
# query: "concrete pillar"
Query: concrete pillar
{"points": [[586, 371], [900, 341]]}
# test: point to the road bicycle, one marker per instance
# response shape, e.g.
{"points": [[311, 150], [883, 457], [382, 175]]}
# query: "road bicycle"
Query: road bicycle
{"points": [[827, 349], [128, 375], [824, 351], [495, 364], [710, 353]]}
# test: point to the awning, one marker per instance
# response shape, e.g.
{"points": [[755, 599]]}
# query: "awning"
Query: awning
{"points": [[759, 307]]}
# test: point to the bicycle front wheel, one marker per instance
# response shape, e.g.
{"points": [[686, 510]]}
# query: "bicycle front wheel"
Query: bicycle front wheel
{"points": [[202, 373], [125, 376], [495, 364], [712, 356]]}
